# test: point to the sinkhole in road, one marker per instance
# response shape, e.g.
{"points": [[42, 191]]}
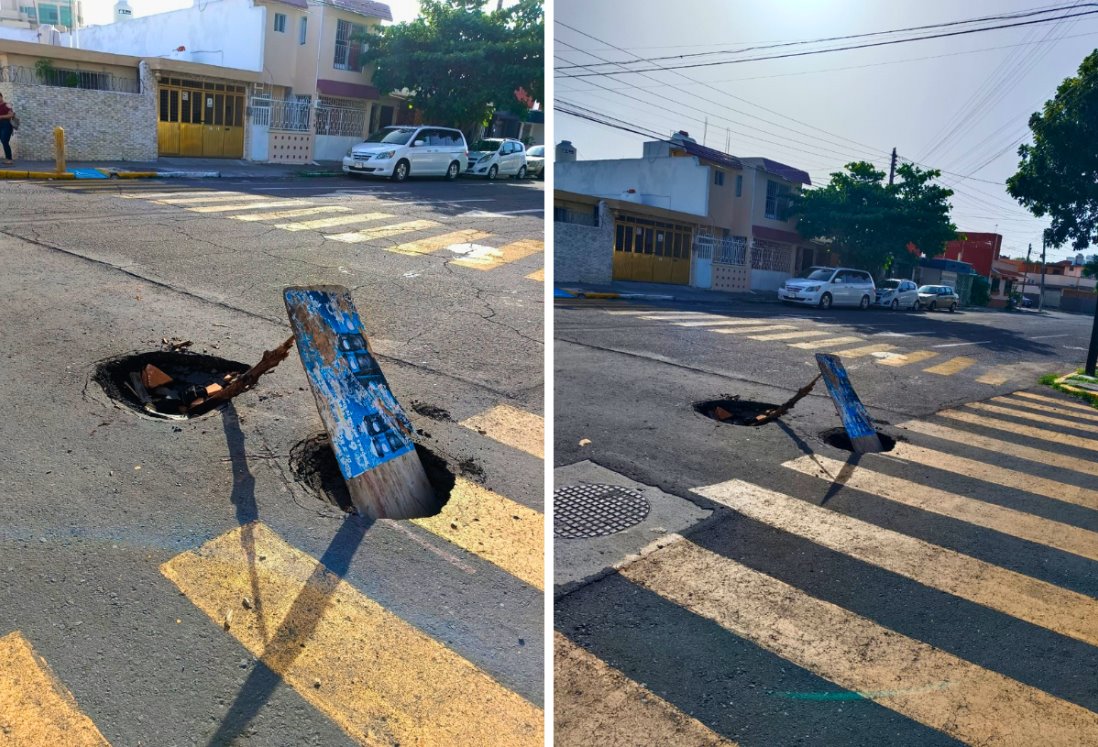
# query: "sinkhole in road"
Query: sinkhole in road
{"points": [[733, 411], [839, 438], [314, 464], [180, 379]]}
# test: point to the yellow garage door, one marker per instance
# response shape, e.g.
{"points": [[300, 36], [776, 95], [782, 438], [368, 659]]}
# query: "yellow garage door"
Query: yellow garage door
{"points": [[201, 119], [651, 250]]}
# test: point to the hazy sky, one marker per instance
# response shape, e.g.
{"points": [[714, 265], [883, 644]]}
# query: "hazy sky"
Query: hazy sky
{"points": [[958, 104], [101, 11]]}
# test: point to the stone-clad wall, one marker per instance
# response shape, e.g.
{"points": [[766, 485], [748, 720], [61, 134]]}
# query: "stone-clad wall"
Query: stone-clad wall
{"points": [[99, 125], [584, 254]]}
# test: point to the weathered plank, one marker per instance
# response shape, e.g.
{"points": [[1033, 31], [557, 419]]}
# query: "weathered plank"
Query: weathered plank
{"points": [[370, 434], [863, 436]]}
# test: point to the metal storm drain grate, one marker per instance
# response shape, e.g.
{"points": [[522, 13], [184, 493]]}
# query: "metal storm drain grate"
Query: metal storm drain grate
{"points": [[581, 511]]}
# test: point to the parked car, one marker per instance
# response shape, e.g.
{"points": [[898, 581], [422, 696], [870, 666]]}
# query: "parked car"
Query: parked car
{"points": [[896, 294], [828, 286], [933, 297], [400, 151], [535, 161], [494, 157]]}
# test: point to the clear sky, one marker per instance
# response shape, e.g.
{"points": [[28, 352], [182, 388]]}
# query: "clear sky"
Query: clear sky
{"points": [[958, 104]]}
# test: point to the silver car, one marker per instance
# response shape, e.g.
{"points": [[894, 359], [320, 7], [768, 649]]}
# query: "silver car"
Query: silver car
{"points": [[932, 297], [830, 286], [895, 294]]}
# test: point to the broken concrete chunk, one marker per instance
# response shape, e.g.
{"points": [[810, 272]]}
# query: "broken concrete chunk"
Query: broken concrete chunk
{"points": [[153, 378]]}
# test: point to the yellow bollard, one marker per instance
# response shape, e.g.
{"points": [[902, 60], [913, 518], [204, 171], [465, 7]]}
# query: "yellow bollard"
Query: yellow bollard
{"points": [[59, 146]]}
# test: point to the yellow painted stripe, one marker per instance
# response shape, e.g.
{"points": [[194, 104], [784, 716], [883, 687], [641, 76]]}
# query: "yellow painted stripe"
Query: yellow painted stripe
{"points": [[212, 197], [1054, 409], [538, 275], [1041, 603], [942, 691], [791, 335], [505, 533], [434, 243], [35, 707], [996, 376], [907, 358], [967, 438], [717, 322], [996, 475], [1026, 415], [596, 705], [293, 213], [1053, 400], [627, 312], [143, 195], [685, 316], [511, 426], [247, 206], [917, 495], [951, 366], [1022, 430], [504, 255], [813, 344], [341, 220], [382, 680], [864, 351], [381, 232], [749, 330]]}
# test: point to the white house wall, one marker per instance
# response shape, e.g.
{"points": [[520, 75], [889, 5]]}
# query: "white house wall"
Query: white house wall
{"points": [[680, 184], [227, 33]]}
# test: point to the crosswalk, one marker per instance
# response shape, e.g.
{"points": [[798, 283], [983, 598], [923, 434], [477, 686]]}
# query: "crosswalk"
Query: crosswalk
{"points": [[379, 677], [955, 485], [803, 334], [466, 249]]}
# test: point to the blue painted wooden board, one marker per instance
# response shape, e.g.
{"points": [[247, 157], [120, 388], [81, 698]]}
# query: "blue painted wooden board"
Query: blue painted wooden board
{"points": [[371, 436], [863, 436]]}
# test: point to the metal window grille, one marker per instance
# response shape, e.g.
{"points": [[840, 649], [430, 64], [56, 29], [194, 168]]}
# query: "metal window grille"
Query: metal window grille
{"points": [[261, 111], [340, 117], [292, 116], [348, 48], [730, 251], [770, 255]]}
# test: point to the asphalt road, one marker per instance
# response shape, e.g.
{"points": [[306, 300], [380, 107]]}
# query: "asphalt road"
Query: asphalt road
{"points": [[178, 579], [782, 591]]}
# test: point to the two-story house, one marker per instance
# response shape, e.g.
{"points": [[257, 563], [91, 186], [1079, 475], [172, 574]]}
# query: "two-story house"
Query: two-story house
{"points": [[314, 98], [684, 213]]}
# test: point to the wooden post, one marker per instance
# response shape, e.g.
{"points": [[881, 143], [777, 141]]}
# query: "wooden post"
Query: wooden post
{"points": [[863, 436], [370, 434]]}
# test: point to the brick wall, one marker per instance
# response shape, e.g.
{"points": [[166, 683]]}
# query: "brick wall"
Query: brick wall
{"points": [[584, 254], [99, 125]]}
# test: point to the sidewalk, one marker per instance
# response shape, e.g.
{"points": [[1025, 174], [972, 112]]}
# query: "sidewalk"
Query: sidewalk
{"points": [[194, 168], [664, 291]]}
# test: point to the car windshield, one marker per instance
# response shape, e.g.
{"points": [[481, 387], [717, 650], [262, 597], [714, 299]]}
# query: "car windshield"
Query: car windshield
{"points": [[537, 150], [487, 145], [928, 289], [889, 284], [819, 274], [394, 137]]}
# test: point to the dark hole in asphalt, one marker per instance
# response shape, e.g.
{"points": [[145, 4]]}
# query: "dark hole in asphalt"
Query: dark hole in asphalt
{"points": [[188, 372], [314, 464], [430, 411], [735, 411], [838, 438]]}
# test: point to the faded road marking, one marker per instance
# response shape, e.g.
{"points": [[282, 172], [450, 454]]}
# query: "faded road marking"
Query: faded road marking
{"points": [[513, 427], [434, 243], [382, 232], [749, 330], [340, 220], [864, 351], [951, 366], [813, 344], [1054, 409], [1056, 437], [1027, 415], [292, 213], [504, 255], [907, 358], [248, 206]]}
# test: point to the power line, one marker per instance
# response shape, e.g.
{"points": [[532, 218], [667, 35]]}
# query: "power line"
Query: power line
{"points": [[943, 35]]}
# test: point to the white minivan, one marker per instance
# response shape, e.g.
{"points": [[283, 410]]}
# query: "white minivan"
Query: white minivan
{"points": [[830, 286], [400, 151], [494, 157]]}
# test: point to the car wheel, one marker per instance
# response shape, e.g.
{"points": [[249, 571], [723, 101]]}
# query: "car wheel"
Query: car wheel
{"points": [[864, 304], [895, 304], [541, 174], [932, 306], [453, 171], [492, 172], [825, 301], [915, 305], [400, 171], [521, 173], [952, 307]]}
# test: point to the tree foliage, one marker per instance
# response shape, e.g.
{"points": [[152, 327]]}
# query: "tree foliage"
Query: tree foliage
{"points": [[870, 222], [461, 63], [1058, 173]]}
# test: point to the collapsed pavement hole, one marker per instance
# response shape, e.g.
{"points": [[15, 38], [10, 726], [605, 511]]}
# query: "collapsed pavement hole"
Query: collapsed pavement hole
{"points": [[735, 411], [314, 465], [188, 372], [839, 438]]}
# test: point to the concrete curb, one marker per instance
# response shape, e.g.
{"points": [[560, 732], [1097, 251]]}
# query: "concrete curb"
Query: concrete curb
{"points": [[10, 174], [179, 174], [623, 296]]}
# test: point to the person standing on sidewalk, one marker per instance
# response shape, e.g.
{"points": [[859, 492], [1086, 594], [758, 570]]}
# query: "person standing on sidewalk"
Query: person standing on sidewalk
{"points": [[6, 128]]}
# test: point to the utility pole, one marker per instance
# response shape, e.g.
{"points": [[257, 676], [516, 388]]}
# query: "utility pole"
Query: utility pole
{"points": [[892, 169], [1041, 303], [1025, 280], [705, 131]]}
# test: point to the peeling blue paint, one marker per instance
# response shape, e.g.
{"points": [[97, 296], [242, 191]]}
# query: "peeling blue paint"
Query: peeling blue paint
{"points": [[851, 410]]}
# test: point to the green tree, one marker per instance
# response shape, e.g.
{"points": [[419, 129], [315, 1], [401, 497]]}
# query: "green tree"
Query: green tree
{"points": [[869, 222], [1090, 268], [460, 63]]}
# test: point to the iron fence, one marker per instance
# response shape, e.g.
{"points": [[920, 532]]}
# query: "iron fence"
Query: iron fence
{"points": [[62, 78]]}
